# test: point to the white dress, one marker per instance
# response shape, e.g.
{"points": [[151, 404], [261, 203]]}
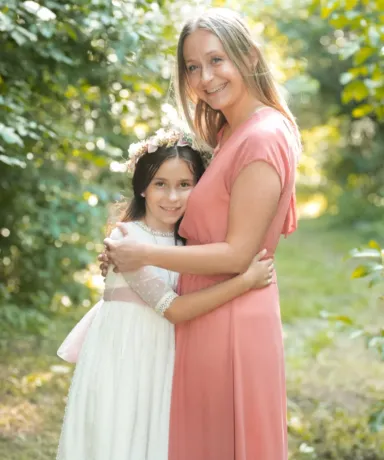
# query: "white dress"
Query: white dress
{"points": [[119, 401]]}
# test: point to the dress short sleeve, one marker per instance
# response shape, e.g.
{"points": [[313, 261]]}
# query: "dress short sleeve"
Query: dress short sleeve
{"points": [[261, 145], [274, 144]]}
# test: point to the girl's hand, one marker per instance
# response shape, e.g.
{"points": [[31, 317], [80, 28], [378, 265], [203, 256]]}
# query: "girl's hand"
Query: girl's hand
{"points": [[259, 273], [103, 258]]}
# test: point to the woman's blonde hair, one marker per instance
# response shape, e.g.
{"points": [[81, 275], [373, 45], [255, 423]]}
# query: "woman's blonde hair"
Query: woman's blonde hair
{"points": [[237, 42]]}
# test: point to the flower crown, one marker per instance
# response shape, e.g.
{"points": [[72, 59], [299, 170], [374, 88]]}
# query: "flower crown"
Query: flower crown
{"points": [[162, 138]]}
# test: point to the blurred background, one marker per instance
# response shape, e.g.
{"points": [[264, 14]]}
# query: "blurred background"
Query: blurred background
{"points": [[79, 81]]}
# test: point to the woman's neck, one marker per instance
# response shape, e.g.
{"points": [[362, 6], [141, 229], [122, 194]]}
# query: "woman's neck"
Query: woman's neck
{"points": [[239, 113]]}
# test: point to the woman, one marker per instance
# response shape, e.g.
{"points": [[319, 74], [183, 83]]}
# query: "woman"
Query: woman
{"points": [[229, 398]]}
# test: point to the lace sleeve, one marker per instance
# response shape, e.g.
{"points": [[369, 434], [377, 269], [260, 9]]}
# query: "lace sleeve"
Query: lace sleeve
{"points": [[152, 289]]}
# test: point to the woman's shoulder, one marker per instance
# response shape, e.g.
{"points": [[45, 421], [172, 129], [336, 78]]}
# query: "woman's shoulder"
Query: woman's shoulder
{"points": [[268, 125], [270, 132], [267, 137], [268, 121]]}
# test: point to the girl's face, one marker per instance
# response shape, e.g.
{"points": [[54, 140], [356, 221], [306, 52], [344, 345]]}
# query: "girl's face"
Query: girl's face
{"points": [[167, 194], [211, 74]]}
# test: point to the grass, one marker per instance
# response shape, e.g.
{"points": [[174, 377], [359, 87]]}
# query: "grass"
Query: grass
{"points": [[322, 363], [314, 275], [32, 403]]}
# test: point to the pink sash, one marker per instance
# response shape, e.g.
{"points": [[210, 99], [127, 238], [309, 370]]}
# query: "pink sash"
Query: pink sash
{"points": [[70, 349]]}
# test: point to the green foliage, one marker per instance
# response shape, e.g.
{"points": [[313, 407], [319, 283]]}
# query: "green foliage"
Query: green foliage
{"points": [[332, 434], [361, 42], [371, 266], [360, 169], [341, 120], [75, 79], [312, 262]]}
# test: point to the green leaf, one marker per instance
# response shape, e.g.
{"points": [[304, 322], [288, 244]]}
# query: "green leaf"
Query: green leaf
{"points": [[70, 31], [376, 419], [339, 21], [377, 278], [29, 35], [360, 272], [10, 161], [374, 245], [328, 7], [363, 54], [18, 37], [362, 110], [356, 90], [9, 135], [350, 4], [5, 23], [343, 319], [59, 56]]}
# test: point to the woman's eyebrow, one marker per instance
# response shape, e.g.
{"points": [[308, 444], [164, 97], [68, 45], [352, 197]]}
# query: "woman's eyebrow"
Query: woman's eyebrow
{"points": [[214, 51]]}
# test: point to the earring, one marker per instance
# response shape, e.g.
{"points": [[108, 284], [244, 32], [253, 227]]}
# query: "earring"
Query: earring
{"points": [[143, 195]]}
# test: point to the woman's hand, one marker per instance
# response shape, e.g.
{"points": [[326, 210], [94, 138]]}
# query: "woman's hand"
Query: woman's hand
{"points": [[259, 273], [125, 254]]}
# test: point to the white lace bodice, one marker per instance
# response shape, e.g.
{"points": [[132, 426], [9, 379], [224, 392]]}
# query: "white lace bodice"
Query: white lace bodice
{"points": [[154, 285]]}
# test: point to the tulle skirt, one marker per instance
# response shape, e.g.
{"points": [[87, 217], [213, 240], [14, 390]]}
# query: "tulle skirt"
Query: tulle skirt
{"points": [[119, 401]]}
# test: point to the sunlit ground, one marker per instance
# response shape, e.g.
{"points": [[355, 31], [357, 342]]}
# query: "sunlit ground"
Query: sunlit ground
{"points": [[326, 370]]}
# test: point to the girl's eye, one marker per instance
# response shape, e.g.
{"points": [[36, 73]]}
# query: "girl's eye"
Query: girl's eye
{"points": [[192, 68], [185, 184], [216, 60], [159, 184]]}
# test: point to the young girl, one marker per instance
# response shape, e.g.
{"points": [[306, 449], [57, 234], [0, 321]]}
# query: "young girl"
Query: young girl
{"points": [[228, 397], [119, 402]]}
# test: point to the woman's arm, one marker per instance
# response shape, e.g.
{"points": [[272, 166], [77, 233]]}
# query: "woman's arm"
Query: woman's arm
{"points": [[253, 203], [176, 309]]}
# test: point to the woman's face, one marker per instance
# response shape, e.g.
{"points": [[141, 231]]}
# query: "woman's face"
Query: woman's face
{"points": [[167, 194], [211, 74]]}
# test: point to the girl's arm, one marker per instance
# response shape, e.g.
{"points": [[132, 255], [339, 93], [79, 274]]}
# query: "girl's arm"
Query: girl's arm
{"points": [[257, 187], [176, 309]]}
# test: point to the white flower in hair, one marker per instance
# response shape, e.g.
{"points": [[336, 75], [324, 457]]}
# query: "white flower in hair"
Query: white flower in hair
{"points": [[135, 148], [162, 138]]}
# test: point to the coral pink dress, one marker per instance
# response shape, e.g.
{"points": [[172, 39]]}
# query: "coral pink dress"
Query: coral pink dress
{"points": [[229, 397]]}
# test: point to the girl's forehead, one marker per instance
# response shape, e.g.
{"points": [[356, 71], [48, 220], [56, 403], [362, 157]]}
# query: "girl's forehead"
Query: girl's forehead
{"points": [[174, 167]]}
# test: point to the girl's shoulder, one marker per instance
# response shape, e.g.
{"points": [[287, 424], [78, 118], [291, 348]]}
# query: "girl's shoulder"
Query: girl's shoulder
{"points": [[141, 232], [132, 228]]}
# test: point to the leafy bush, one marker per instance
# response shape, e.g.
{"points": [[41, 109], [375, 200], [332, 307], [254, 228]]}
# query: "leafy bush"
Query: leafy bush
{"points": [[323, 433], [71, 91]]}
